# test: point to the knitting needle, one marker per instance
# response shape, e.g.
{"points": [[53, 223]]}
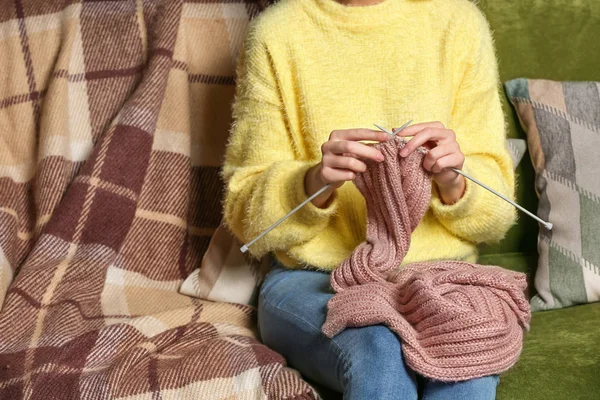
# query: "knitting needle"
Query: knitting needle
{"points": [[393, 134], [245, 247], [548, 225]]}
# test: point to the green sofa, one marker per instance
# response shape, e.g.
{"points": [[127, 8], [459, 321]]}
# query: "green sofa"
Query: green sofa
{"points": [[556, 40]]}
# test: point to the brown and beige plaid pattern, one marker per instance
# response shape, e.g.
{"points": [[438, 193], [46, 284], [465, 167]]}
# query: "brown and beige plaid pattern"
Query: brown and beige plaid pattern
{"points": [[114, 116]]}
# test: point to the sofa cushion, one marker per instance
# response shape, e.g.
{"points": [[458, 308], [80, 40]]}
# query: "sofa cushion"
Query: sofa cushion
{"points": [[560, 358]]}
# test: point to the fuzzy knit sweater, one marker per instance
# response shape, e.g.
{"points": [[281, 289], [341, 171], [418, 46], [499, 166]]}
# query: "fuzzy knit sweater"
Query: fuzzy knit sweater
{"points": [[457, 320], [309, 67]]}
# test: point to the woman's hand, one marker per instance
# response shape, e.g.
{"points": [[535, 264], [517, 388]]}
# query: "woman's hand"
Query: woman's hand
{"points": [[342, 158], [444, 154]]}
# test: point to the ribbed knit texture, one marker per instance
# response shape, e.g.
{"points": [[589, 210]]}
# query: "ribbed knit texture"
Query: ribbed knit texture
{"points": [[457, 320], [309, 67], [387, 186]]}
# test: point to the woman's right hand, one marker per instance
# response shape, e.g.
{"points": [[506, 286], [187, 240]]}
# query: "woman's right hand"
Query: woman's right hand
{"points": [[342, 158]]}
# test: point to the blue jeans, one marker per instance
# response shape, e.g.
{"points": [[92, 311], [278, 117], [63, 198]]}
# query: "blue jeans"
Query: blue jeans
{"points": [[362, 363]]}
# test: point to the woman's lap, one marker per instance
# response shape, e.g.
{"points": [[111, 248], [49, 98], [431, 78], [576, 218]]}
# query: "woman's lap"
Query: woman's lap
{"points": [[360, 362], [291, 311]]}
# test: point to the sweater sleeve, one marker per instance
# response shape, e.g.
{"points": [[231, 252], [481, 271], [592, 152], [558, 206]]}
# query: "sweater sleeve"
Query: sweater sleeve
{"points": [[478, 121], [263, 169]]}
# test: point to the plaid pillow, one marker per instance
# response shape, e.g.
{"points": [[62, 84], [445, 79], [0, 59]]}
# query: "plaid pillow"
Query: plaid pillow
{"points": [[562, 121], [226, 274]]}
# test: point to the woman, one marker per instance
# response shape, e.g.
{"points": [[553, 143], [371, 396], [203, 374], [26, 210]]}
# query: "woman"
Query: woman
{"points": [[313, 76]]}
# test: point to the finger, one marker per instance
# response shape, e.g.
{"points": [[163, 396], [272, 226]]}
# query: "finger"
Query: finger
{"points": [[334, 175], [412, 130], [341, 162], [435, 154], [454, 160], [424, 136], [359, 134], [360, 150]]}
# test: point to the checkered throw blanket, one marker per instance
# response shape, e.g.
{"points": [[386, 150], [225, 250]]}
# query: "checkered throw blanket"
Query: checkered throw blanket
{"points": [[113, 120]]}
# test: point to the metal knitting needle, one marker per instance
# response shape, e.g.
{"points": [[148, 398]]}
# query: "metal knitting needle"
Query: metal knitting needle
{"points": [[548, 225], [393, 134], [245, 247]]}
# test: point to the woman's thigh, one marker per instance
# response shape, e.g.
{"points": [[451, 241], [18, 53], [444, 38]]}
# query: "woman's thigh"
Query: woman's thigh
{"points": [[291, 310]]}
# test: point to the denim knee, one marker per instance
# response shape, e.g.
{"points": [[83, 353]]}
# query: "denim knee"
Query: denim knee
{"points": [[483, 388], [372, 345], [375, 367]]}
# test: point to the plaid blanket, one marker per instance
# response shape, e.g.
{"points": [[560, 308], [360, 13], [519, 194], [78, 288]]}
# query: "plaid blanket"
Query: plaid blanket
{"points": [[113, 119]]}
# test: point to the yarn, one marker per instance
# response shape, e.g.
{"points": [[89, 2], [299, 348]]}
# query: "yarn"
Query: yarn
{"points": [[457, 320], [388, 187]]}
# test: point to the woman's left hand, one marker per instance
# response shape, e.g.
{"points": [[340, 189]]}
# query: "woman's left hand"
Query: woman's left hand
{"points": [[444, 154]]}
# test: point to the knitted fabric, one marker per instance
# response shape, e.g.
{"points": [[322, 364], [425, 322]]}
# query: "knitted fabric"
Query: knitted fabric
{"points": [[388, 188], [457, 320]]}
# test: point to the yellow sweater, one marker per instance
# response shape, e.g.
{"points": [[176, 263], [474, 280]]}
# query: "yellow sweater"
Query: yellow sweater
{"points": [[309, 67]]}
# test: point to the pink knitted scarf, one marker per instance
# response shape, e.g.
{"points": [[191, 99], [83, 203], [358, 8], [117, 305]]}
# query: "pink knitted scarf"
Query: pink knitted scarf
{"points": [[457, 320]]}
